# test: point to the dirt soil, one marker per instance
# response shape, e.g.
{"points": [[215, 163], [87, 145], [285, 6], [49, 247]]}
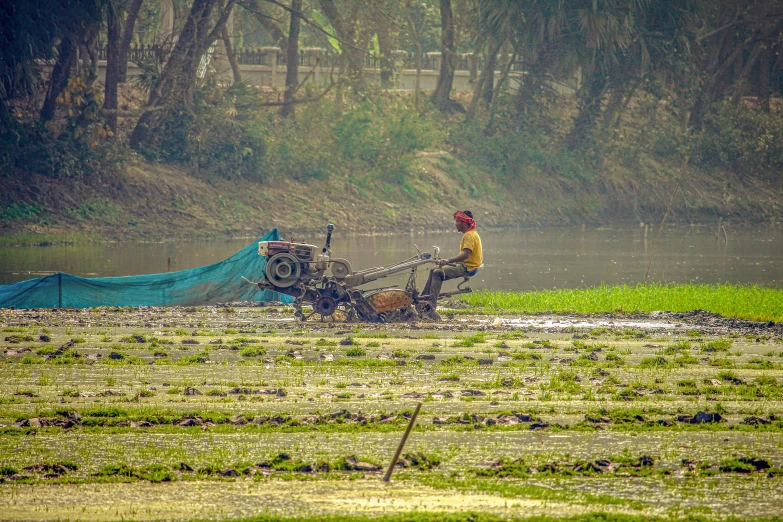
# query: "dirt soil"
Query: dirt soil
{"points": [[151, 202], [234, 411]]}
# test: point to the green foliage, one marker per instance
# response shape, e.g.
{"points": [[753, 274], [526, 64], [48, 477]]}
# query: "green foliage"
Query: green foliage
{"points": [[12, 211], [31, 32], [743, 140], [199, 358], [655, 362], [469, 340], [381, 132], [70, 152], [718, 345], [95, 209], [252, 351], [565, 382], [516, 152], [220, 134], [230, 133], [6, 471]]}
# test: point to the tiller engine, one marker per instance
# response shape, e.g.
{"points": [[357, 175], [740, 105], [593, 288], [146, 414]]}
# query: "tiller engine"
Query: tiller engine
{"points": [[311, 276]]}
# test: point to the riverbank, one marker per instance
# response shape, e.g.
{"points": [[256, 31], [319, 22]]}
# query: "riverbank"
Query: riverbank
{"points": [[146, 201]]}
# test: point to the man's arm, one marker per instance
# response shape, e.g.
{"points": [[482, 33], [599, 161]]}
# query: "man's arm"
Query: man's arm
{"points": [[459, 259]]}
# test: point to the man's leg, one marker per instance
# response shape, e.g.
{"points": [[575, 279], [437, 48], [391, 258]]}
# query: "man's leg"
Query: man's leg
{"points": [[453, 272], [437, 276], [434, 282]]}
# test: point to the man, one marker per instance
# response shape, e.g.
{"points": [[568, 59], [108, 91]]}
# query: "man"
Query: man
{"points": [[467, 262]]}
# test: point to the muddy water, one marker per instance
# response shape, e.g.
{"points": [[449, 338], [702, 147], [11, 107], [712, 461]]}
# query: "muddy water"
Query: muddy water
{"points": [[514, 259]]}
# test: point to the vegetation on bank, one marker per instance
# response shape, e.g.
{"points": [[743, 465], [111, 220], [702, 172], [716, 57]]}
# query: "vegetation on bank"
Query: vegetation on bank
{"points": [[750, 302]]}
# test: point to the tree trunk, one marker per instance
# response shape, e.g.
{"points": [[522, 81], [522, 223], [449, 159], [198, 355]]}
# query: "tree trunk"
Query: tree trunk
{"points": [[270, 25], [475, 99], [61, 73], [441, 97], [777, 68], [292, 62], [719, 78], [91, 60], [488, 73], [113, 44], [232, 57], [127, 37], [589, 110], [417, 44], [738, 92], [385, 50], [764, 89], [353, 56], [490, 129], [619, 102]]}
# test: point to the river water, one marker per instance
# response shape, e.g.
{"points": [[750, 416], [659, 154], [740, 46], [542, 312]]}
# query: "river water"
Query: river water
{"points": [[514, 259]]}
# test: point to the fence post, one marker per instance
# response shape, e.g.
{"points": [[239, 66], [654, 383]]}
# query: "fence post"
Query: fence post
{"points": [[434, 59], [473, 61], [270, 58]]}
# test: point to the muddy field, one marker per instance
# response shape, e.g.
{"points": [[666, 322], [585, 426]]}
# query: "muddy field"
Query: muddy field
{"points": [[228, 412]]}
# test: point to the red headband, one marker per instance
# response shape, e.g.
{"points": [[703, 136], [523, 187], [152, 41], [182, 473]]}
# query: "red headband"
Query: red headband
{"points": [[461, 216]]}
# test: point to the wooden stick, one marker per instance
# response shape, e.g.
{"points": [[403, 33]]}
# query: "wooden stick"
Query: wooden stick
{"points": [[387, 477]]}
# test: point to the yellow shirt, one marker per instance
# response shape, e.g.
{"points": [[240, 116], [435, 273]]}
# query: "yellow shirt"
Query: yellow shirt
{"points": [[471, 240]]}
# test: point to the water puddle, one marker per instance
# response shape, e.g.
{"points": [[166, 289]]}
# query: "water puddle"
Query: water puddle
{"points": [[222, 500]]}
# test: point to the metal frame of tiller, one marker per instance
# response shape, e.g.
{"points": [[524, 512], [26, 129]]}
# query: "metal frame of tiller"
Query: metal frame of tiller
{"points": [[300, 271]]}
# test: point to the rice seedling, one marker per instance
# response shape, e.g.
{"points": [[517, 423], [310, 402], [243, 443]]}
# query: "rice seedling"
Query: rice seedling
{"points": [[741, 301]]}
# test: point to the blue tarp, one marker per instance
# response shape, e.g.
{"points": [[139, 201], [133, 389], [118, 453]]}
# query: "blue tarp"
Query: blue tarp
{"points": [[211, 284]]}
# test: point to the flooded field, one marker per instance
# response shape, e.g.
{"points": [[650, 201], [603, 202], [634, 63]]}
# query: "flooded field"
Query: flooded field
{"points": [[222, 412]]}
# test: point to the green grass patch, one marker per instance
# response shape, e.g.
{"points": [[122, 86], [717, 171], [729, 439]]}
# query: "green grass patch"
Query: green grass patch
{"points": [[742, 301], [469, 340], [529, 491]]}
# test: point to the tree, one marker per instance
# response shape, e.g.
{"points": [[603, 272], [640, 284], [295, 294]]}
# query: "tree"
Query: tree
{"points": [[416, 36], [120, 21], [77, 22], [231, 55], [264, 13], [292, 61], [352, 57], [175, 86], [735, 35], [611, 46], [441, 97]]}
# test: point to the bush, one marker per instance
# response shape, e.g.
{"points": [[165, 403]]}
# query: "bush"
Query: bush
{"points": [[230, 132], [75, 145], [382, 132], [744, 140], [515, 153], [220, 134]]}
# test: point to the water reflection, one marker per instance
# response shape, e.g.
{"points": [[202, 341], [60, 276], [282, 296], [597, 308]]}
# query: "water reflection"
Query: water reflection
{"points": [[514, 259]]}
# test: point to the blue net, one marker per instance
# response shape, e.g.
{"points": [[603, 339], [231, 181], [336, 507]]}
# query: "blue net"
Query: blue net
{"points": [[211, 284]]}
